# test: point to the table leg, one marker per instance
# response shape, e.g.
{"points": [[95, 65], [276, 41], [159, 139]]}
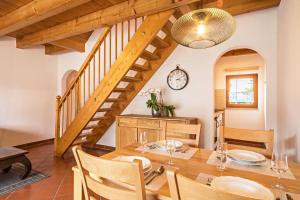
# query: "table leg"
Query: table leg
{"points": [[6, 169], [27, 164]]}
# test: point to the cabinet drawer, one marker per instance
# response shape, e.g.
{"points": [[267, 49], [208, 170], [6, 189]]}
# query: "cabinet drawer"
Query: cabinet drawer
{"points": [[129, 122], [177, 122], [149, 123]]}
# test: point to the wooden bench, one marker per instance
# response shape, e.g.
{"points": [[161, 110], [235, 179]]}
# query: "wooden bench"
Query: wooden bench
{"points": [[11, 155]]}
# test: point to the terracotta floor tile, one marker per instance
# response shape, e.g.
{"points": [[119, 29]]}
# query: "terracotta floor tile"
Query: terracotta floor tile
{"points": [[4, 197], [59, 185]]}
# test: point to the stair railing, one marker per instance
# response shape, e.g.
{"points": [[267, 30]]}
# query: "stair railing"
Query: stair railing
{"points": [[105, 51]]}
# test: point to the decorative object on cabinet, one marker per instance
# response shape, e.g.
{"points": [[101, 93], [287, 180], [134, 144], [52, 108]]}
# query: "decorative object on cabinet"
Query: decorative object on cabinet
{"points": [[129, 127], [155, 103], [177, 79]]}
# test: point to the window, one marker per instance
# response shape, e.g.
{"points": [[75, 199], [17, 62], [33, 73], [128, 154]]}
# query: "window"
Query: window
{"points": [[241, 91]]}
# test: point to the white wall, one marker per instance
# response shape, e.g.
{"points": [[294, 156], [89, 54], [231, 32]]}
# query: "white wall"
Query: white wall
{"points": [[288, 76], [245, 118], [28, 90], [197, 99]]}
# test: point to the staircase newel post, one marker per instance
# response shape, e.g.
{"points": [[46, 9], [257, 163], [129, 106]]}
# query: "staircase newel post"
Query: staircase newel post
{"points": [[57, 122]]}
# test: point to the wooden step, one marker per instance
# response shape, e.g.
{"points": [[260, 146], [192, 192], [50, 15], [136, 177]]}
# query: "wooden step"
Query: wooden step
{"points": [[122, 89], [137, 67], [147, 55], [167, 28], [98, 118], [160, 43], [79, 140], [111, 100], [104, 110], [131, 79], [91, 127]]}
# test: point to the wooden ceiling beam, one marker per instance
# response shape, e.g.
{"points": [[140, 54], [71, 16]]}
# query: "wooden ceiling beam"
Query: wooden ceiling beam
{"points": [[236, 7], [108, 16], [34, 12], [70, 44], [128, 10], [54, 50]]}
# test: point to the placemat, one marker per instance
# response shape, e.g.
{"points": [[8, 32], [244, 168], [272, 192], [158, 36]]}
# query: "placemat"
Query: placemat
{"points": [[207, 178], [262, 169]]}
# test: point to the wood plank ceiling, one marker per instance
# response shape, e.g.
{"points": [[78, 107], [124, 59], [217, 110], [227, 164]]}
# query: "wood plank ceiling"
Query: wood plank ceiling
{"points": [[66, 25]]}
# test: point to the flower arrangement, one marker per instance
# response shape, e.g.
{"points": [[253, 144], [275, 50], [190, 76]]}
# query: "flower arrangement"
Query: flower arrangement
{"points": [[155, 103]]}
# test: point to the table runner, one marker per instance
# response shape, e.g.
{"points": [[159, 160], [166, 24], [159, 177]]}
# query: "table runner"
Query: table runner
{"points": [[186, 155], [263, 169], [203, 178]]}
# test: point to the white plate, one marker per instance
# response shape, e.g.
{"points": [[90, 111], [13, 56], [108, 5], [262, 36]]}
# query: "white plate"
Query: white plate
{"points": [[145, 161], [242, 187], [162, 143], [246, 156]]}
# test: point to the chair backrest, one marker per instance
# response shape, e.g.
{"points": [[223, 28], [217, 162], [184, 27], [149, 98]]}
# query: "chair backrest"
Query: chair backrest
{"points": [[101, 175], [182, 188], [252, 140], [188, 133]]}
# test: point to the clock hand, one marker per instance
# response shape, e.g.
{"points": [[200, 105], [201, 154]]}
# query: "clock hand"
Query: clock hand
{"points": [[179, 78]]}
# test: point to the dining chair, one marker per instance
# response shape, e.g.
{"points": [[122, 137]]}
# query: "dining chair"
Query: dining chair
{"points": [[259, 141], [187, 133], [101, 177], [182, 188]]}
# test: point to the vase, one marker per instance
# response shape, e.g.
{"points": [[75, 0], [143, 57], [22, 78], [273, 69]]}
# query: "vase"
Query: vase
{"points": [[155, 113]]}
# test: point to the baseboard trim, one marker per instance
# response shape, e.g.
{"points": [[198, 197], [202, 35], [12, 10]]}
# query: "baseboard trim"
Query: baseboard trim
{"points": [[100, 147], [35, 144]]}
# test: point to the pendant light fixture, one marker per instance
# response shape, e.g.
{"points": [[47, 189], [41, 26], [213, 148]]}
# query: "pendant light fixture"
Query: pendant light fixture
{"points": [[203, 28]]}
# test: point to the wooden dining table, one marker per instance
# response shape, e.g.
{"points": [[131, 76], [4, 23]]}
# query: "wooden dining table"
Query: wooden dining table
{"points": [[192, 167]]}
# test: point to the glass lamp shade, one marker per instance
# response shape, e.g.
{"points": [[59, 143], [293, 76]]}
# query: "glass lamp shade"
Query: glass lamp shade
{"points": [[203, 28]]}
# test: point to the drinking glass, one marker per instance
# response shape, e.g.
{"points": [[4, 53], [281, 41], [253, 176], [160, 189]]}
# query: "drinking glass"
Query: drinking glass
{"points": [[143, 140], [279, 164], [221, 155], [170, 147]]}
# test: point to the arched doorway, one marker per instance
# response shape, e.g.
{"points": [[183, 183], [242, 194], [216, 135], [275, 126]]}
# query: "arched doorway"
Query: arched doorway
{"points": [[67, 80], [240, 89]]}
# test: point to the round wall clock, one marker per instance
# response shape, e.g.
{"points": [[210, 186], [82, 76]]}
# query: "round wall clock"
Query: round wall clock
{"points": [[177, 79]]}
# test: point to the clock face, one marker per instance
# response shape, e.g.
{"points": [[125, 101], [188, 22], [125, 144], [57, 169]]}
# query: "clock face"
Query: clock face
{"points": [[177, 79]]}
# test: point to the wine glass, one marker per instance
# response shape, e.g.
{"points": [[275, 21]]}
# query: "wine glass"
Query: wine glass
{"points": [[279, 164], [143, 140], [221, 155], [170, 147]]}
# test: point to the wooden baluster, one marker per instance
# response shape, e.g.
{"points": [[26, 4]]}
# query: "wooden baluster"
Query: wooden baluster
{"points": [[67, 112], [71, 104], [57, 121], [84, 87], [79, 94], [135, 24], [116, 42], [76, 98], [62, 119], [99, 64], [94, 71], [110, 54], [128, 26], [104, 67], [89, 79], [122, 35]]}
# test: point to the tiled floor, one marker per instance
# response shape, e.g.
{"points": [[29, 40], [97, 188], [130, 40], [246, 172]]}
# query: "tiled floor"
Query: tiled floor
{"points": [[59, 186]]}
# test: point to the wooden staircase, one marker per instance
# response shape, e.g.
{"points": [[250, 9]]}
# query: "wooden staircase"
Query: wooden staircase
{"points": [[111, 77]]}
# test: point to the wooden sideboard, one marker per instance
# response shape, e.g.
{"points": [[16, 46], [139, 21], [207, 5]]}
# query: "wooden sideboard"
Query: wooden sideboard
{"points": [[129, 127]]}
